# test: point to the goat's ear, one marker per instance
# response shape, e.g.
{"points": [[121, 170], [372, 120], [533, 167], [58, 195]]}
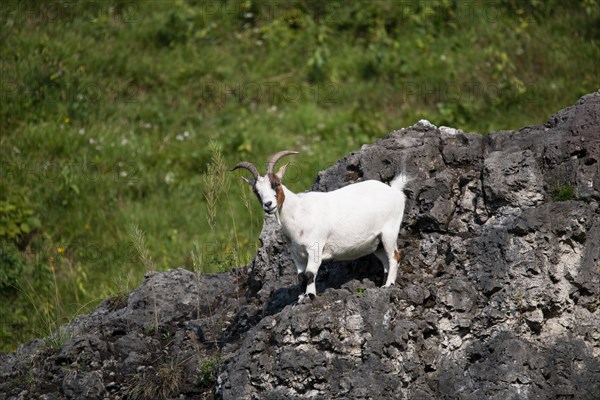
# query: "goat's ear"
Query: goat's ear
{"points": [[281, 171], [250, 182]]}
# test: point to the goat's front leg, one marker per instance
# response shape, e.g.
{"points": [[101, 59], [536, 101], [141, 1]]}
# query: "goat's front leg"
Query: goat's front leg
{"points": [[302, 280], [308, 279]]}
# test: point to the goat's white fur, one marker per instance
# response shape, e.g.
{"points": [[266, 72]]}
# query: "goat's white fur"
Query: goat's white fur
{"points": [[344, 224]]}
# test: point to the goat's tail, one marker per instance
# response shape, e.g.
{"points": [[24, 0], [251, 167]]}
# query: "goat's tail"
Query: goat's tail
{"points": [[399, 182]]}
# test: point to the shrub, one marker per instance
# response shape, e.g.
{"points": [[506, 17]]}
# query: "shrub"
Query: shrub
{"points": [[12, 267], [17, 223]]}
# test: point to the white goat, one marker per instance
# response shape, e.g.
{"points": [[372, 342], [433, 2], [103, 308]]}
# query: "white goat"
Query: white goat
{"points": [[344, 224]]}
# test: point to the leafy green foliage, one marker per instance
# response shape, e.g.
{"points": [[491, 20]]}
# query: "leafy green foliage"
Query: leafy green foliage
{"points": [[108, 110], [12, 267], [17, 223], [208, 371]]}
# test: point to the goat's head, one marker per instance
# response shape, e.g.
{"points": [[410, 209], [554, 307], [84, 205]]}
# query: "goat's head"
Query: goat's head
{"points": [[267, 188]]}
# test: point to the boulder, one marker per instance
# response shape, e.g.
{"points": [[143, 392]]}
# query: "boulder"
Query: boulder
{"points": [[497, 296]]}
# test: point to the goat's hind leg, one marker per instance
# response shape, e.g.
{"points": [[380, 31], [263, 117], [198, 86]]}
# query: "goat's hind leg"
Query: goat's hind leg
{"points": [[382, 256], [393, 271], [392, 257]]}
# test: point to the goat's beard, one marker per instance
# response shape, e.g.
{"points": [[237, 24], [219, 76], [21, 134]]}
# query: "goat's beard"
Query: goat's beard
{"points": [[271, 211]]}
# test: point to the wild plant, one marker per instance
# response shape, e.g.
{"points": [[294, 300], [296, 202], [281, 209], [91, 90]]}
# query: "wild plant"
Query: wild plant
{"points": [[139, 242]]}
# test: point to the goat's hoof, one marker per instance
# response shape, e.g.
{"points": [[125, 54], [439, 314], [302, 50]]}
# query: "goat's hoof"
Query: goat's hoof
{"points": [[306, 298]]}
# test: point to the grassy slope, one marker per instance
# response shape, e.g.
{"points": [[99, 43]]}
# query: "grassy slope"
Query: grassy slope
{"points": [[108, 110]]}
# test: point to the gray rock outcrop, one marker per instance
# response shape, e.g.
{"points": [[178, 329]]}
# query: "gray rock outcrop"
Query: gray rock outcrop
{"points": [[497, 297]]}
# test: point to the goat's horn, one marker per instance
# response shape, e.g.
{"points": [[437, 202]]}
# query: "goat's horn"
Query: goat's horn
{"points": [[246, 165], [276, 157]]}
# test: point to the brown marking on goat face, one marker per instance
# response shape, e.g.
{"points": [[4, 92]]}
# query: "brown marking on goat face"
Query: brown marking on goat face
{"points": [[396, 256], [276, 186], [280, 196], [301, 233]]}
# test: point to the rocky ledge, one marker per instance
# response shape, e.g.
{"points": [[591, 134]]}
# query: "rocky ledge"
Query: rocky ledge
{"points": [[497, 297]]}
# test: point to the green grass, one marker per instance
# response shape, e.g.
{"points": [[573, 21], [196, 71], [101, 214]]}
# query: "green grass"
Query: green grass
{"points": [[109, 108], [563, 192]]}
